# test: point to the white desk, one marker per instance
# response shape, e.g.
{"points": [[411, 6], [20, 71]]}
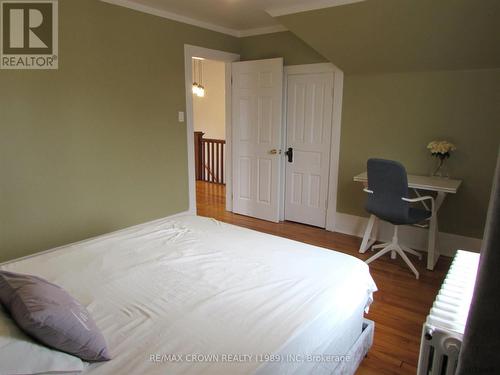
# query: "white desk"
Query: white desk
{"points": [[442, 186]]}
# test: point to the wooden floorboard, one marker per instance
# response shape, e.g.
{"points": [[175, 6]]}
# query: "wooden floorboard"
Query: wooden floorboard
{"points": [[401, 304]]}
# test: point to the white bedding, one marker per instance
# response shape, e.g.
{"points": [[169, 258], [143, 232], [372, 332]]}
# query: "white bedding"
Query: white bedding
{"points": [[193, 286]]}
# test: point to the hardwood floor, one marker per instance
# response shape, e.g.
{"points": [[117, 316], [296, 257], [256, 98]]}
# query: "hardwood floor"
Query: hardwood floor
{"points": [[401, 304]]}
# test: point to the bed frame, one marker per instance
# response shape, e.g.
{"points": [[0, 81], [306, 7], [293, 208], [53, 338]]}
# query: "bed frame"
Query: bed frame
{"points": [[356, 354]]}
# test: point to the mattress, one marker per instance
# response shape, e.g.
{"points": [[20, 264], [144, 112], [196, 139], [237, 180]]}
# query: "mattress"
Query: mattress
{"points": [[192, 295]]}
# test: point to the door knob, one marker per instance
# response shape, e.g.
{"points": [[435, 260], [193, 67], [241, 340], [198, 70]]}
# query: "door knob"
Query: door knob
{"points": [[289, 153], [275, 151]]}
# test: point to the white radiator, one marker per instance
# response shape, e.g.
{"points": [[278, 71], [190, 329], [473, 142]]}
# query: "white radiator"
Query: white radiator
{"points": [[443, 330]]}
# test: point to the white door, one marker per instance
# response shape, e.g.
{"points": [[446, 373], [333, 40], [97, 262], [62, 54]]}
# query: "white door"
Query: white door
{"points": [[257, 93], [308, 136]]}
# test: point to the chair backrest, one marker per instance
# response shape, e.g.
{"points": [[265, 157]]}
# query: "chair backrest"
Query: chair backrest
{"points": [[389, 183]]}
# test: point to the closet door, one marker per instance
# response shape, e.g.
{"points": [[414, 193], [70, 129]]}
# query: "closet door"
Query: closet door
{"points": [[308, 136]]}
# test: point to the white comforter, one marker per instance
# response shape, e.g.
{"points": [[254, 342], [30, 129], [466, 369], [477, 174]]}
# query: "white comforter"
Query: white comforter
{"points": [[169, 292]]}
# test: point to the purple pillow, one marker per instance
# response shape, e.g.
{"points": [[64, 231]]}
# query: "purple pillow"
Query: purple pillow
{"points": [[48, 313]]}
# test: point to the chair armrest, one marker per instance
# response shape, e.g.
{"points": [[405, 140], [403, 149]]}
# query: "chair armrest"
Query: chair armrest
{"points": [[368, 191], [420, 199]]}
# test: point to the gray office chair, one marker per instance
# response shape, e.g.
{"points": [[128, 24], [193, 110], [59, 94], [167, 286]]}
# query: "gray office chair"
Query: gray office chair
{"points": [[388, 200]]}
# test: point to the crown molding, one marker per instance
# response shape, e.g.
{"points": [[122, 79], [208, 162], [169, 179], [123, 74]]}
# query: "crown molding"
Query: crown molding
{"points": [[262, 30], [310, 5], [194, 22], [174, 17]]}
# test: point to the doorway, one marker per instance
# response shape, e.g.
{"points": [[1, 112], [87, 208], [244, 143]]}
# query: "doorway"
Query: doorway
{"points": [[249, 107], [212, 123], [209, 122]]}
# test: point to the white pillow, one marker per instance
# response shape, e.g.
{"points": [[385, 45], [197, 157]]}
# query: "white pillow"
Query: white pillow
{"points": [[20, 355]]}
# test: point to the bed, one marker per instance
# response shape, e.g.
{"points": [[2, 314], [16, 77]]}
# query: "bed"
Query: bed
{"points": [[192, 295]]}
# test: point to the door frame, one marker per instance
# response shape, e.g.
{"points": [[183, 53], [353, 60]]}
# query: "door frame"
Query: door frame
{"points": [[338, 86], [191, 51]]}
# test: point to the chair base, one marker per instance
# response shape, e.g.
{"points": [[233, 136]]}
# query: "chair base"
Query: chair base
{"points": [[395, 248]]}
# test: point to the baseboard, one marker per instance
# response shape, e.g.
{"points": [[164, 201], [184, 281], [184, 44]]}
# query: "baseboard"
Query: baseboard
{"points": [[413, 237]]}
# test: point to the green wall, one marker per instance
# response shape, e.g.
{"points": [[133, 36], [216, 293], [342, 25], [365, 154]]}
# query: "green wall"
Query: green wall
{"points": [[95, 145], [394, 116], [447, 56], [283, 44], [403, 35]]}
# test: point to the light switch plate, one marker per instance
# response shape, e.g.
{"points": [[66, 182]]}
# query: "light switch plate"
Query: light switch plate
{"points": [[181, 116]]}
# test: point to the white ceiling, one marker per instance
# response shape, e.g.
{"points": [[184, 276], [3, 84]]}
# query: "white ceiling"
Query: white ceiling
{"points": [[234, 17]]}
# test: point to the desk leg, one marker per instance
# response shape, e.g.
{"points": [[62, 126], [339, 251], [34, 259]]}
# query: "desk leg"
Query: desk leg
{"points": [[367, 241], [432, 249]]}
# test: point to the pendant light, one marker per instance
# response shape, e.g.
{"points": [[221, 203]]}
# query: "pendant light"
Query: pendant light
{"points": [[198, 88]]}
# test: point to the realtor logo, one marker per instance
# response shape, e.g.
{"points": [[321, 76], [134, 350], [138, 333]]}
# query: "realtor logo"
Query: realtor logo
{"points": [[29, 35]]}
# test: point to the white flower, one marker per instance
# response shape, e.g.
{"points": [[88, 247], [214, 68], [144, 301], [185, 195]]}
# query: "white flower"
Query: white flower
{"points": [[441, 147]]}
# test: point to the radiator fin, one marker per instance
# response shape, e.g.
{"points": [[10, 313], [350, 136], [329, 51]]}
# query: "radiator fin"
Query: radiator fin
{"points": [[443, 330]]}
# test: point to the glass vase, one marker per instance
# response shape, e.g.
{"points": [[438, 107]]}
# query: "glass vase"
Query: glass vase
{"points": [[441, 168]]}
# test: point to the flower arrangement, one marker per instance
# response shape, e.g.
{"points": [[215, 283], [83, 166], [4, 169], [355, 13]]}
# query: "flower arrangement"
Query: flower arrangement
{"points": [[441, 149]]}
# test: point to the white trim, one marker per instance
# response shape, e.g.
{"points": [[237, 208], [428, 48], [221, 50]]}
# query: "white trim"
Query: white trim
{"points": [[174, 17], [137, 226], [338, 84], [311, 68], [310, 5], [194, 22], [338, 94], [413, 237], [210, 54], [283, 144], [262, 30], [228, 161]]}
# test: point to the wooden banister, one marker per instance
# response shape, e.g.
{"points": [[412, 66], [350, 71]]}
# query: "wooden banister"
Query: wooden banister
{"points": [[209, 158], [197, 154]]}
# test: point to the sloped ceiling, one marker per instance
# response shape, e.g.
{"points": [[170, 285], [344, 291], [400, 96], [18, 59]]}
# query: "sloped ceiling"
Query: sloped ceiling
{"points": [[404, 35]]}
